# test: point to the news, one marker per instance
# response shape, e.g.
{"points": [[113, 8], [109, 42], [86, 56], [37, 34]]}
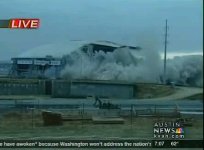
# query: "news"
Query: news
{"points": [[101, 74]]}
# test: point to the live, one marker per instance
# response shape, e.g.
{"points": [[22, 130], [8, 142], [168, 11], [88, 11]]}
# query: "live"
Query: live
{"points": [[25, 23]]}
